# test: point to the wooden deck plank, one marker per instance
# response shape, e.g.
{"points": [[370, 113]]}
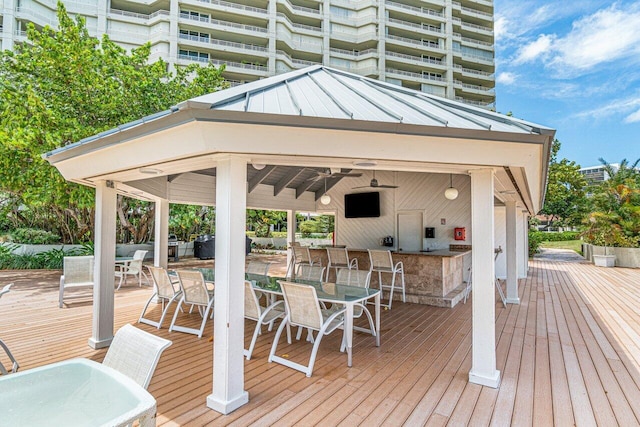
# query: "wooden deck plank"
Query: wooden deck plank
{"points": [[568, 354]]}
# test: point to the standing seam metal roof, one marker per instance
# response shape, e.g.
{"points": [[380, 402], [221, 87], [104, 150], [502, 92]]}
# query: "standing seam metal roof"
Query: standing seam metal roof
{"points": [[320, 91]]}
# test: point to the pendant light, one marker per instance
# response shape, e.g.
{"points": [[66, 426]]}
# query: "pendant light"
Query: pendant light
{"points": [[325, 199], [451, 193]]}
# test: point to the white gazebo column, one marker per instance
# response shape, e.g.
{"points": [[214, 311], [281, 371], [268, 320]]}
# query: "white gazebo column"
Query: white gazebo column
{"points": [[512, 253], [161, 234], [228, 344], [483, 337], [291, 238], [104, 265]]}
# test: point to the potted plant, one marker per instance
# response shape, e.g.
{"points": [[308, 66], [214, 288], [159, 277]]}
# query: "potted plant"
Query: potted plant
{"points": [[602, 233]]}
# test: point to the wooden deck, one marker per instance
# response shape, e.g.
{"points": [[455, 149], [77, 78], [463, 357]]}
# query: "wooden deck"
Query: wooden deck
{"points": [[569, 354]]}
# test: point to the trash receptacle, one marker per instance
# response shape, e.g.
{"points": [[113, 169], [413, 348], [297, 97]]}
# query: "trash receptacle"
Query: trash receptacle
{"points": [[204, 246]]}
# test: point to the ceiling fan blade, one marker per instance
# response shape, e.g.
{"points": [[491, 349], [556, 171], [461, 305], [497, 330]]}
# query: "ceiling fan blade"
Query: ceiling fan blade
{"points": [[386, 186], [363, 186], [348, 175]]}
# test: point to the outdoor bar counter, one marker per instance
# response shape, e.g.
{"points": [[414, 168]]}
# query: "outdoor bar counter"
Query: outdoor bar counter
{"points": [[433, 278]]}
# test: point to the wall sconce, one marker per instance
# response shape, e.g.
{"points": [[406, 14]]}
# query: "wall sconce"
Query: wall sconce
{"points": [[451, 193], [325, 199]]}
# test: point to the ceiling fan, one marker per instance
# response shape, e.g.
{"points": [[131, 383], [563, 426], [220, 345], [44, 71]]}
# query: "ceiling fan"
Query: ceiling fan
{"points": [[375, 184], [332, 173]]}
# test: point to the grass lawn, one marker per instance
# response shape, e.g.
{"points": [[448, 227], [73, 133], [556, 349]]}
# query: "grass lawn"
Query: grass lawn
{"points": [[574, 245]]}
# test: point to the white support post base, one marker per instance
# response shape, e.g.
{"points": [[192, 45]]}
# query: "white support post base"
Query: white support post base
{"points": [[229, 406], [96, 345], [492, 380]]}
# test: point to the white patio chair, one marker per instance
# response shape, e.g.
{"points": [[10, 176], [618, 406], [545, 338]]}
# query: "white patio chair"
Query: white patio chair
{"points": [[165, 290], [381, 262], [77, 272], [14, 364], [339, 259], [132, 268], [360, 278], [303, 310], [258, 270], [262, 315], [194, 293], [135, 353], [301, 256], [312, 273]]}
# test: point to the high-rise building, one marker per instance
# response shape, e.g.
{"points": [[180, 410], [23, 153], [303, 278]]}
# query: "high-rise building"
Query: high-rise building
{"points": [[597, 174], [443, 47]]}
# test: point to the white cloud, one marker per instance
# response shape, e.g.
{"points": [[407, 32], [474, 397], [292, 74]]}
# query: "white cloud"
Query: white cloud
{"points": [[625, 106], [538, 49], [606, 36], [633, 117], [506, 78]]}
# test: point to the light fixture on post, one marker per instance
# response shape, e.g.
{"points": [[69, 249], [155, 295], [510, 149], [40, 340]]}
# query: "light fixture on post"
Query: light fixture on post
{"points": [[325, 199], [451, 193]]}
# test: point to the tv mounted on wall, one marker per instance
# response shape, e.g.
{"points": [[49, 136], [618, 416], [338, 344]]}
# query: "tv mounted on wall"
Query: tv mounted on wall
{"points": [[362, 205]]}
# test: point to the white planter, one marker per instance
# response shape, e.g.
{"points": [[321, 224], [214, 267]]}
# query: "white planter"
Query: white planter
{"points": [[604, 260]]}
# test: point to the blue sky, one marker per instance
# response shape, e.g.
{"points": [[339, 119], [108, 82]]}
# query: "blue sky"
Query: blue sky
{"points": [[573, 65]]}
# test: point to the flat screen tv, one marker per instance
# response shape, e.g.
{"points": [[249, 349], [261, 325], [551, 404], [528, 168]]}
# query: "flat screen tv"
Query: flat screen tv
{"points": [[362, 205]]}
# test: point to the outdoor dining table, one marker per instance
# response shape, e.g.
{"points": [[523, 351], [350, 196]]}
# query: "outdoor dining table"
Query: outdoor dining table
{"points": [[74, 393], [332, 293]]}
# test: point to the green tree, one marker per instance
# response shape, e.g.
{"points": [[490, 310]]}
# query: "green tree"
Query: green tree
{"points": [[261, 221], [62, 86], [615, 220], [185, 220], [565, 202]]}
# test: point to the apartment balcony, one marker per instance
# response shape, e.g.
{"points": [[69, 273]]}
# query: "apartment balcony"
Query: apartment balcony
{"points": [[301, 10], [354, 55], [360, 21], [28, 14], [355, 5], [415, 77], [293, 63], [484, 104], [475, 89], [233, 8], [415, 60], [474, 28], [129, 37], [311, 45], [239, 49], [474, 74], [124, 15], [488, 3], [414, 45], [367, 71], [298, 28], [223, 26], [413, 27], [477, 14], [480, 44], [422, 12], [469, 57], [356, 38], [237, 68]]}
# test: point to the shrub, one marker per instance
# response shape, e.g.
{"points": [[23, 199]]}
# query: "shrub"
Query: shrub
{"points": [[535, 238], [557, 237], [33, 236]]}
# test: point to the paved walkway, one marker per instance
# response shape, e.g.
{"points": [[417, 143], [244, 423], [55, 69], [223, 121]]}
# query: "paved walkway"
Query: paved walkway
{"points": [[565, 255]]}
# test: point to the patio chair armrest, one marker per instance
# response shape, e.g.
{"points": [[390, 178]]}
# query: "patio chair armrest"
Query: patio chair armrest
{"points": [[399, 266]]}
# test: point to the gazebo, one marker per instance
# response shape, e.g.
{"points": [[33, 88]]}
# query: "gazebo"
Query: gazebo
{"points": [[261, 144]]}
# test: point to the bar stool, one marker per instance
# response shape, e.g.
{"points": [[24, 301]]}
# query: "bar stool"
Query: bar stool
{"points": [[338, 259], [382, 262]]}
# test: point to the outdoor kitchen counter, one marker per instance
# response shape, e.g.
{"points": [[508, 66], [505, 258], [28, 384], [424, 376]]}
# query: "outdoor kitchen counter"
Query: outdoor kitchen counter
{"points": [[433, 278]]}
